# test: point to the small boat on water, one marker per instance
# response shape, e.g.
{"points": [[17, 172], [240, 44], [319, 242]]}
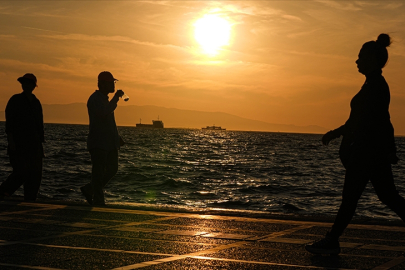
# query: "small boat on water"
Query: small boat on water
{"points": [[155, 124], [213, 128]]}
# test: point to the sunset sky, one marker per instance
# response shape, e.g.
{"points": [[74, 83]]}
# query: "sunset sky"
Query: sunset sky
{"points": [[286, 62]]}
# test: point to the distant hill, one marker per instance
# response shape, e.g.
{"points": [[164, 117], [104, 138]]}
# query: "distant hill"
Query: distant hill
{"points": [[76, 113]]}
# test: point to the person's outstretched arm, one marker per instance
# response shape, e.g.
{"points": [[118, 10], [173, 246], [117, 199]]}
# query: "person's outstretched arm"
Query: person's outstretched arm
{"points": [[333, 134]]}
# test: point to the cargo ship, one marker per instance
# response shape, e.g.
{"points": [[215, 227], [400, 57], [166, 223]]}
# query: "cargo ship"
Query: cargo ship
{"points": [[155, 124], [213, 128]]}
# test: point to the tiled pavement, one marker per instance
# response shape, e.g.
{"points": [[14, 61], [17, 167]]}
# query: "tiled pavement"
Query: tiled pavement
{"points": [[56, 236]]}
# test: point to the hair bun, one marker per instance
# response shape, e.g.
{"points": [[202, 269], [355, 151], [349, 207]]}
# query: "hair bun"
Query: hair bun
{"points": [[384, 40]]}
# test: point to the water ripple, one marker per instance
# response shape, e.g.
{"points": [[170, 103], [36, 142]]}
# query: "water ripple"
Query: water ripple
{"points": [[277, 172]]}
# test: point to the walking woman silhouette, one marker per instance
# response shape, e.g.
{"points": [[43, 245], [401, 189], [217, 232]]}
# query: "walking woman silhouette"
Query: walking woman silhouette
{"points": [[368, 146]]}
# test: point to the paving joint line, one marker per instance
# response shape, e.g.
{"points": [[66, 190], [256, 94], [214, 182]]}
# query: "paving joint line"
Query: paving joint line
{"points": [[27, 211], [204, 216], [103, 250], [46, 217], [175, 258], [59, 222], [267, 263], [241, 231], [280, 233], [64, 234], [247, 241], [28, 266], [196, 243], [190, 255], [390, 264], [157, 240], [356, 238], [174, 214]]}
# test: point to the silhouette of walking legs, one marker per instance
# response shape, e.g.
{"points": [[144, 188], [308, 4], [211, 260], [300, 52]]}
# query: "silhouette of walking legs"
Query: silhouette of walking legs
{"points": [[383, 182], [356, 180], [33, 183], [104, 167], [27, 171]]}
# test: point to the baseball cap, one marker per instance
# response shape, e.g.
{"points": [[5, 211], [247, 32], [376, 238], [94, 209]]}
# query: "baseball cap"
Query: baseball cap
{"points": [[28, 76], [106, 76]]}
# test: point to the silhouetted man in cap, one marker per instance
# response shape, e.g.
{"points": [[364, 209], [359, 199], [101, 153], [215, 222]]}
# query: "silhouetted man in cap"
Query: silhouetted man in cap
{"points": [[103, 141], [25, 135]]}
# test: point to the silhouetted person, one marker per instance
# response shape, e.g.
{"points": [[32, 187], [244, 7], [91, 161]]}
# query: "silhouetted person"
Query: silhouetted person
{"points": [[368, 147], [25, 135], [103, 141]]}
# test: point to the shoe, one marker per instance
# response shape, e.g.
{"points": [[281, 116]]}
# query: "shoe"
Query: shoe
{"points": [[87, 195], [327, 245]]}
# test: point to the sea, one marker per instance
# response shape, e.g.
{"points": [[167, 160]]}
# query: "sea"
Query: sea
{"points": [[285, 173]]}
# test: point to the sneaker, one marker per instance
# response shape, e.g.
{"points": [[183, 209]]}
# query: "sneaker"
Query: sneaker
{"points": [[327, 245], [87, 195]]}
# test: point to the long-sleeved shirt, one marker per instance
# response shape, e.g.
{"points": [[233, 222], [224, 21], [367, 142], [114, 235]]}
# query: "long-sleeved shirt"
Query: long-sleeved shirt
{"points": [[103, 133], [25, 124], [368, 133]]}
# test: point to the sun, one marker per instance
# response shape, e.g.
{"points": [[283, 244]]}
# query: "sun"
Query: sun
{"points": [[212, 32]]}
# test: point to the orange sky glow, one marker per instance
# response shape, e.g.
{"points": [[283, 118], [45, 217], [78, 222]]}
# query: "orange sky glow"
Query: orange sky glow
{"points": [[284, 62]]}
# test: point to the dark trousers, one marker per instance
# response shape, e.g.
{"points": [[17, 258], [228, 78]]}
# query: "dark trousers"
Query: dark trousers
{"points": [[104, 167], [27, 171], [356, 179]]}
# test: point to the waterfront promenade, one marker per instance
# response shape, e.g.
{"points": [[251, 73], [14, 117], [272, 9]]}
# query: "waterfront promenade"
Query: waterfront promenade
{"points": [[57, 235]]}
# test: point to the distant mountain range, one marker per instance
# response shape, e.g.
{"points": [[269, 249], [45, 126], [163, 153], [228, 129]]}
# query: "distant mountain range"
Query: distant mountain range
{"points": [[76, 113]]}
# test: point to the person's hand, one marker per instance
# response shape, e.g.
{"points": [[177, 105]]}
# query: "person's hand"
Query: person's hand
{"points": [[328, 137], [119, 93]]}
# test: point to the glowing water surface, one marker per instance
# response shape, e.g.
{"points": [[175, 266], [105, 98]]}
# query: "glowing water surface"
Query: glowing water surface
{"points": [[259, 171]]}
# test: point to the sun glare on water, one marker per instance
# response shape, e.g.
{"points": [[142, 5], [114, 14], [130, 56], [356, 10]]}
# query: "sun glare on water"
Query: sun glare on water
{"points": [[212, 32]]}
